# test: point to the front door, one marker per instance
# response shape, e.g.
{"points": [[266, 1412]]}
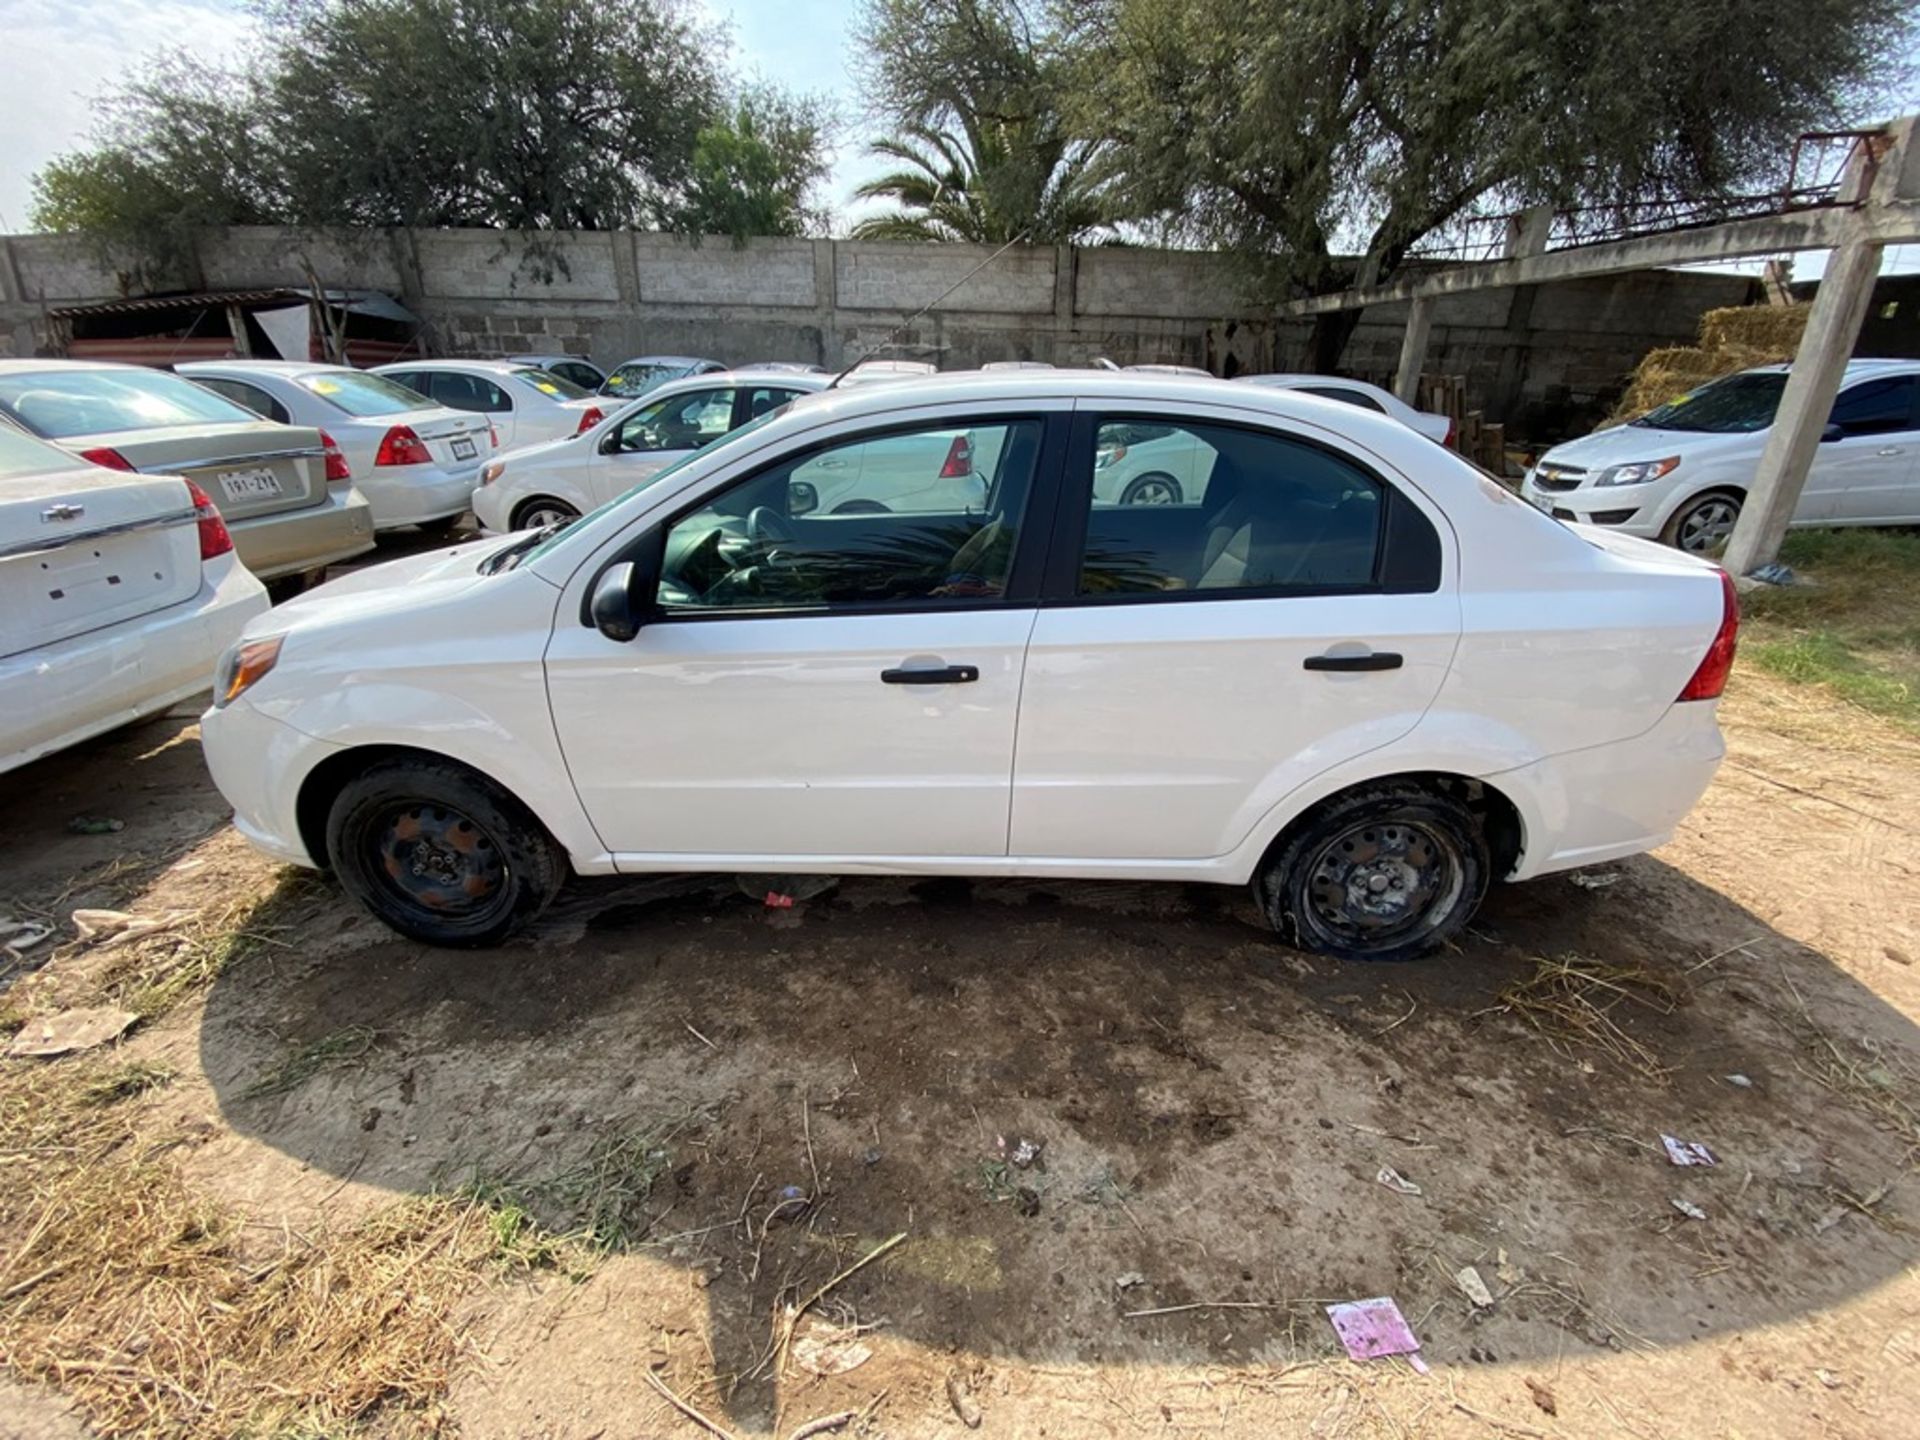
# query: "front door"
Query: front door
{"points": [[1199, 659], [655, 435], [1872, 472], [814, 685]]}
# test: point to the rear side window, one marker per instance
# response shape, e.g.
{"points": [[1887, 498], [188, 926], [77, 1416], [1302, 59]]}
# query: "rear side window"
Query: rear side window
{"points": [[1345, 397], [249, 395], [361, 394], [60, 403], [554, 387], [580, 373], [1178, 509], [1876, 407], [460, 391]]}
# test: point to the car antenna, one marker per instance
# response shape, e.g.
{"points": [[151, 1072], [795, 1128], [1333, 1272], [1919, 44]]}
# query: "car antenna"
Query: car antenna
{"points": [[886, 343]]}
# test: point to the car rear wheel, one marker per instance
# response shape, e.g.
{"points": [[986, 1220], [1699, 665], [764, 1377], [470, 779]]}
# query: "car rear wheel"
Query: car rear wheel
{"points": [[1153, 488], [1704, 523], [540, 512], [440, 853], [1387, 872]]}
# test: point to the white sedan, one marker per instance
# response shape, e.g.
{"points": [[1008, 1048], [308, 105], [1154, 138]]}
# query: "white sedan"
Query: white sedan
{"points": [[1361, 675], [524, 403], [117, 591], [1362, 395], [416, 462], [542, 484]]}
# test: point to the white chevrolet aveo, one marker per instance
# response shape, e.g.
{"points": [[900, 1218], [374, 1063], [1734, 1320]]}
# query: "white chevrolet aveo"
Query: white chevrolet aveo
{"points": [[1346, 666]]}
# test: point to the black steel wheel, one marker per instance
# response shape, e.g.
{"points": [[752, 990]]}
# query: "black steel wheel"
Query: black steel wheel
{"points": [[1378, 873], [440, 853]]}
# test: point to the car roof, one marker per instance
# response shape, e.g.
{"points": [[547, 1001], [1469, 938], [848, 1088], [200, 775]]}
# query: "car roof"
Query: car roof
{"points": [[33, 367], [267, 367], [479, 367]]}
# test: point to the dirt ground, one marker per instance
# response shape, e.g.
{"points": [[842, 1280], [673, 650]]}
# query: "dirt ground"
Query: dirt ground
{"points": [[1212, 1113]]}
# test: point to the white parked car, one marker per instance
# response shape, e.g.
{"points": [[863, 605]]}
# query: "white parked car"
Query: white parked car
{"points": [[117, 592], [416, 462], [1359, 393], [524, 403], [1362, 674], [1681, 473], [636, 377], [543, 484]]}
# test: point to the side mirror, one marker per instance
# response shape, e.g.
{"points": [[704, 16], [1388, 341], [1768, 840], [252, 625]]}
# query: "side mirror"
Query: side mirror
{"points": [[616, 603], [1831, 433], [802, 498]]}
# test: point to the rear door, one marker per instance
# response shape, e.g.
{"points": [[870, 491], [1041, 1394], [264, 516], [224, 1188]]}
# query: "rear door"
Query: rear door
{"points": [[1194, 662], [1872, 473]]}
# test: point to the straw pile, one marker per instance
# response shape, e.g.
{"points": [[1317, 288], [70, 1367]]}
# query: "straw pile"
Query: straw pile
{"points": [[1733, 339]]}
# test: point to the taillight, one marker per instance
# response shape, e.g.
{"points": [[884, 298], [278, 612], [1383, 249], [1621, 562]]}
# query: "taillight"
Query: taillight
{"points": [[400, 446], [106, 455], [338, 470], [589, 418], [959, 462], [493, 434], [1448, 441], [1711, 678], [215, 539]]}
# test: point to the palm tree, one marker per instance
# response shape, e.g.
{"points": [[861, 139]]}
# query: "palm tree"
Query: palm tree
{"points": [[988, 183]]}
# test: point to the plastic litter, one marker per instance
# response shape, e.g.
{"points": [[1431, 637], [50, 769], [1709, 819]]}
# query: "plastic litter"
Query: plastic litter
{"points": [[1689, 1209], [20, 936], [1595, 879], [1473, 1287], [1687, 1152], [830, 1351], [1132, 1280], [1373, 1328], [1744, 1082], [1773, 574], [110, 928], [70, 1030], [793, 1204], [1396, 1182], [1022, 1154]]}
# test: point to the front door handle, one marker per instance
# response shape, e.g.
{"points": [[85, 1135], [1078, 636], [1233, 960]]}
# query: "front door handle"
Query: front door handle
{"points": [[1374, 660], [945, 675], [1889, 450]]}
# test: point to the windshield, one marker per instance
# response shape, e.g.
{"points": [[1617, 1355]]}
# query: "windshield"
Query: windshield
{"points": [[548, 383], [359, 393], [636, 379], [63, 403], [1737, 405], [732, 438]]}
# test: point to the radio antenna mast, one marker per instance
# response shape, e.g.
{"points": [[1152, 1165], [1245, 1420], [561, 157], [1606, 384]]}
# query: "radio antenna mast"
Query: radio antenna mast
{"points": [[930, 305]]}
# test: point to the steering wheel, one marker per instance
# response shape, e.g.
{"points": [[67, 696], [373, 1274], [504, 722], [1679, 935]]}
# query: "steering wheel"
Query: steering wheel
{"points": [[767, 526]]}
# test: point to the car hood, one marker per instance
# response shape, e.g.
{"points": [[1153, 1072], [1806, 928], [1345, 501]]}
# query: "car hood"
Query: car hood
{"points": [[1628, 444], [387, 587]]}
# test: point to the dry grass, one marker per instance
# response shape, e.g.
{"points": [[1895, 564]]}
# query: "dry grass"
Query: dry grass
{"points": [[1575, 1003], [140, 1300], [330, 1052]]}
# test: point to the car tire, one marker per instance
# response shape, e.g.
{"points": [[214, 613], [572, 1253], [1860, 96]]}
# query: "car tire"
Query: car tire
{"points": [[1704, 523], [542, 510], [1379, 873], [440, 853], [861, 507], [1156, 487]]}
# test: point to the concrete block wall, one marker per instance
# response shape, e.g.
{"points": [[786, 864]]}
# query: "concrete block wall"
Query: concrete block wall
{"points": [[1545, 360]]}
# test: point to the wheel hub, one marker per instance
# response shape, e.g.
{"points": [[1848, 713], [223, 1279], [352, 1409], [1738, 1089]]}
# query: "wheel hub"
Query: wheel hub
{"points": [[439, 858], [1378, 878]]}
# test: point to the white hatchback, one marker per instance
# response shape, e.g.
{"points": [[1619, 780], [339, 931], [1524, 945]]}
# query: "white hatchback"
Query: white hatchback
{"points": [[1680, 473], [416, 462], [1359, 673], [524, 403], [117, 592]]}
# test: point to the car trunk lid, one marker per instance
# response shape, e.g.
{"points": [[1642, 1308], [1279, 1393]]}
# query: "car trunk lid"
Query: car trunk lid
{"points": [[457, 439], [84, 549], [248, 470]]}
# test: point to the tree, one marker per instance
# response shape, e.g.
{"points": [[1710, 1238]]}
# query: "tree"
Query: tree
{"points": [[754, 169], [973, 89], [1294, 130], [518, 114]]}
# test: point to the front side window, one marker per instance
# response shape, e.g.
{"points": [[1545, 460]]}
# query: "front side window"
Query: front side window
{"points": [[679, 422], [812, 532], [62, 403], [361, 394], [1184, 507], [1876, 407]]}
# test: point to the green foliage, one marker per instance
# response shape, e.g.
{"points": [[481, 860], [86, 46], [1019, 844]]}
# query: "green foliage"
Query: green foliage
{"points": [[524, 115], [974, 90]]}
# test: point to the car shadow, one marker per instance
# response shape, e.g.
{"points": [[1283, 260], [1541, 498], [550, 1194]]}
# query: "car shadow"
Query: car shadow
{"points": [[1217, 1118]]}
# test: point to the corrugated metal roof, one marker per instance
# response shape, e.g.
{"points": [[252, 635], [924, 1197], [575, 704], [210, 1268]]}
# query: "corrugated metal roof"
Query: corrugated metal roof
{"points": [[364, 302]]}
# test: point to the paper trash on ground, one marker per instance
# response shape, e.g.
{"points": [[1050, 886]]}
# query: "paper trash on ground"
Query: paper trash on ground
{"points": [[1687, 1152], [1373, 1328]]}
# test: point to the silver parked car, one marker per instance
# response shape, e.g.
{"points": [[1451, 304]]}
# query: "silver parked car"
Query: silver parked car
{"points": [[285, 491]]}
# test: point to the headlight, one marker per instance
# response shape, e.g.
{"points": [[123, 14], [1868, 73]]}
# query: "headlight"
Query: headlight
{"points": [[1638, 474], [244, 666], [492, 471]]}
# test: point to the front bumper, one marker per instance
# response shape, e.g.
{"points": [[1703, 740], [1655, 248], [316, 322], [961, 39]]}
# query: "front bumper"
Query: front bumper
{"points": [[257, 765], [1614, 507], [59, 695], [296, 541]]}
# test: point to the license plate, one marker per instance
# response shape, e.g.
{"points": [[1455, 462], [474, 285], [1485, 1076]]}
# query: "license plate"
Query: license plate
{"points": [[1541, 502], [250, 484], [463, 448]]}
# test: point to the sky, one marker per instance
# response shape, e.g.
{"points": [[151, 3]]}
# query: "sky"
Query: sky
{"points": [[58, 53]]}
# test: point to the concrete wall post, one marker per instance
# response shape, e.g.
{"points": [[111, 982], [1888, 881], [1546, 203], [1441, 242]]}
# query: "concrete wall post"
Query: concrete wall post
{"points": [[1839, 306], [1413, 349]]}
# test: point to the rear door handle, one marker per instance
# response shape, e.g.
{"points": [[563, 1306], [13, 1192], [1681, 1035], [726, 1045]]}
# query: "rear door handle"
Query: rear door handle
{"points": [[946, 675], [1375, 660], [1890, 450]]}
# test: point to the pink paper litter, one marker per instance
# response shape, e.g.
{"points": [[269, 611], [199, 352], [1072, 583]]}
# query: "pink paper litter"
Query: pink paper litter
{"points": [[1372, 1328], [1688, 1152]]}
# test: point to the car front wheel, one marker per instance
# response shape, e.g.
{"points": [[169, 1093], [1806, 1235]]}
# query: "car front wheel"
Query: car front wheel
{"points": [[1385, 872], [539, 513], [440, 853], [1704, 523]]}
